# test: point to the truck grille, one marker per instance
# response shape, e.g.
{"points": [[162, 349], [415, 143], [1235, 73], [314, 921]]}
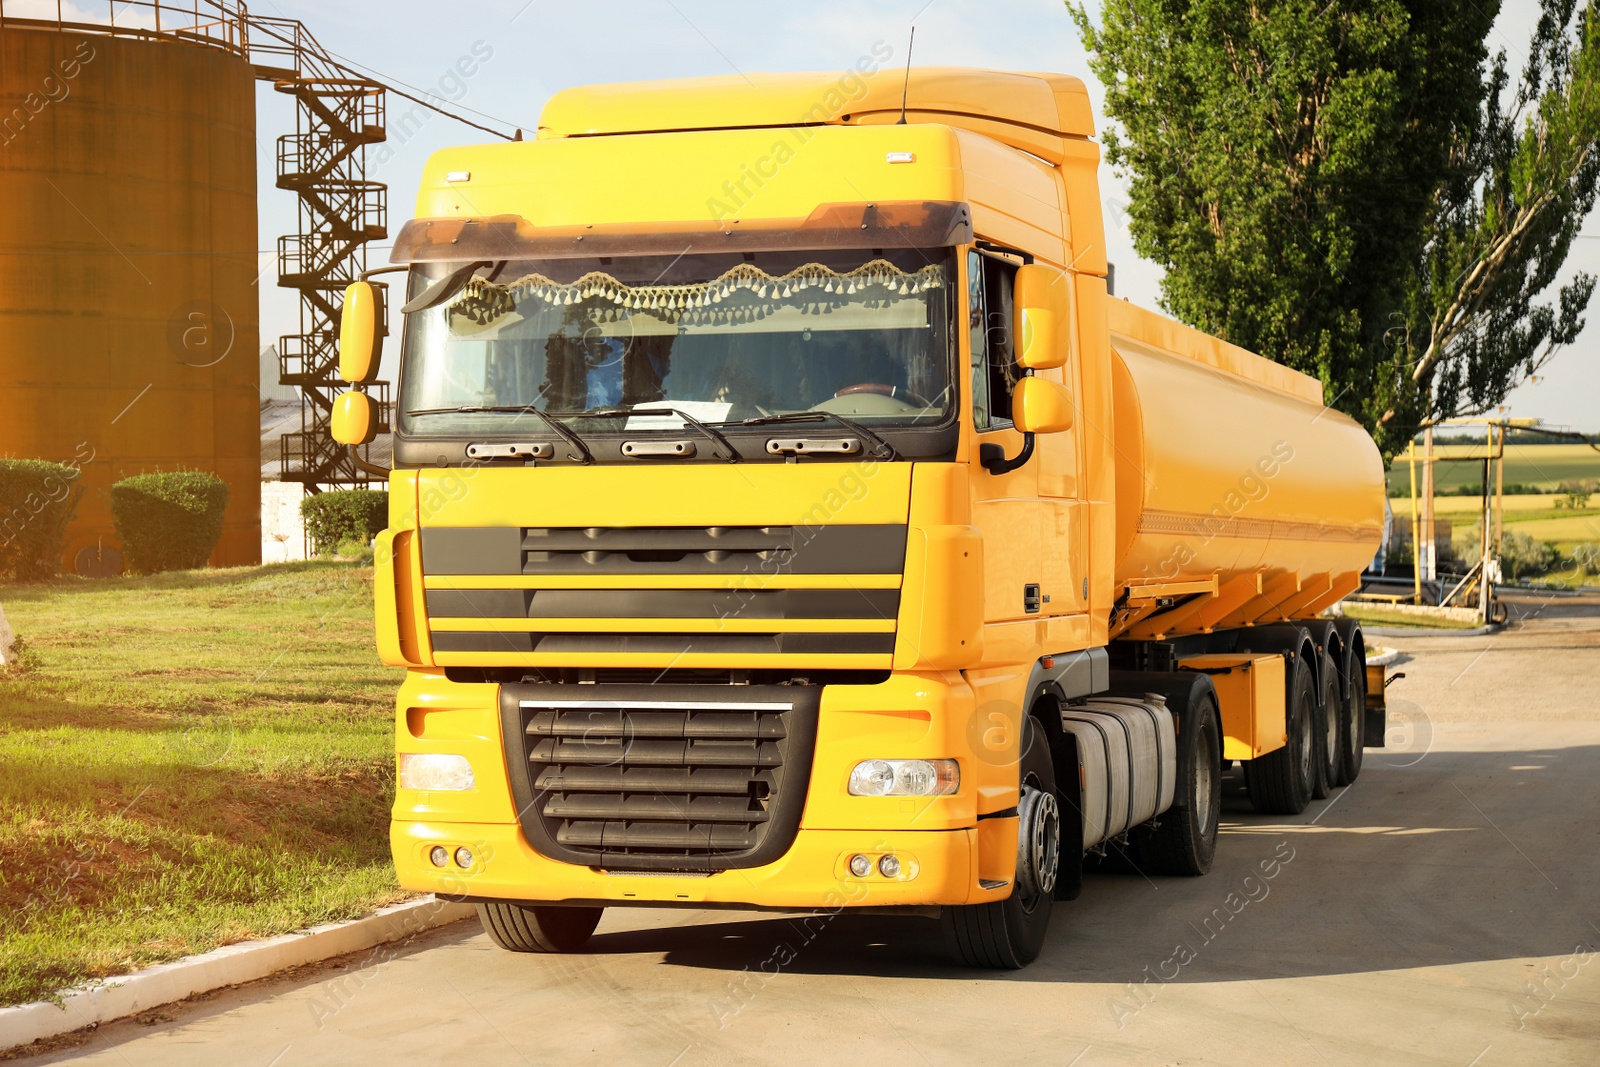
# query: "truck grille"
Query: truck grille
{"points": [[720, 593], [660, 777]]}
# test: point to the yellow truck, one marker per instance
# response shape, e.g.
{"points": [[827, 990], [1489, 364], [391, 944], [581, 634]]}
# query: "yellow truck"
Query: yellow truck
{"points": [[784, 515]]}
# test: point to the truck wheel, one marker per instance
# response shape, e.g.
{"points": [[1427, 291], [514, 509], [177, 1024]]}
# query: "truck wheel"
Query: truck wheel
{"points": [[537, 928], [1353, 724], [1326, 727], [1185, 842], [1280, 782], [1008, 934]]}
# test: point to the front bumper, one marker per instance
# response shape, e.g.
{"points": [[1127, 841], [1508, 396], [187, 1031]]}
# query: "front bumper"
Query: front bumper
{"points": [[936, 868], [948, 855]]}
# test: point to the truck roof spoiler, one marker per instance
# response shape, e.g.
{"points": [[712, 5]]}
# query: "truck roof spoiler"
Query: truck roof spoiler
{"points": [[897, 224]]}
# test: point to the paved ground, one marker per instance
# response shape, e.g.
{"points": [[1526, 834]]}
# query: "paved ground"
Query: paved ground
{"points": [[1442, 911]]}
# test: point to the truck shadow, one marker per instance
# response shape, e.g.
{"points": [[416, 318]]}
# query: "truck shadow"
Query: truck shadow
{"points": [[1459, 857]]}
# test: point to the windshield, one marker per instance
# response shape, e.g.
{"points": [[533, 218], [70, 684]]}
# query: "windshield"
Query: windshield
{"points": [[721, 338]]}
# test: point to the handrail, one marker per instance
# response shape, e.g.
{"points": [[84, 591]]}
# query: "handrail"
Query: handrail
{"points": [[221, 24]]}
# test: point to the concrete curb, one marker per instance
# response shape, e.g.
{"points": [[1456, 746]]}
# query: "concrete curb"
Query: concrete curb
{"points": [[116, 998]]}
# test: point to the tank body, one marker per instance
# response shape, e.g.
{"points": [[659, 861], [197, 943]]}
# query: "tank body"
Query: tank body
{"points": [[128, 307], [1229, 464]]}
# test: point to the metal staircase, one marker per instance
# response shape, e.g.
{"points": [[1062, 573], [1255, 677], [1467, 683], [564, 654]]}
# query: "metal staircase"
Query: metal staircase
{"points": [[324, 164]]}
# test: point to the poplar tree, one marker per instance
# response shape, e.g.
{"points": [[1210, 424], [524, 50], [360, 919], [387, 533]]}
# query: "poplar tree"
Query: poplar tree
{"points": [[1357, 189]]}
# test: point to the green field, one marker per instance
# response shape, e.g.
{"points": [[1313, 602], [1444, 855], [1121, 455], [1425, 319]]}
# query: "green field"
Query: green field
{"points": [[1546, 466], [189, 760]]}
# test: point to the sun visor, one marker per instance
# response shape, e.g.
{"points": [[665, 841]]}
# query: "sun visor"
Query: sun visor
{"points": [[896, 224]]}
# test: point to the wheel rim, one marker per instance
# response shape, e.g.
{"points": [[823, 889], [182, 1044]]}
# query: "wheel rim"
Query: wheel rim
{"points": [[1038, 844]]}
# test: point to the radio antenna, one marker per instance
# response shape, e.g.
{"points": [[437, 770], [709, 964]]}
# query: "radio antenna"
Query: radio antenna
{"points": [[906, 86]]}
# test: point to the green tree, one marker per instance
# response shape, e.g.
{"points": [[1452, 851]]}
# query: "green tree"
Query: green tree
{"points": [[1347, 187], [1523, 177]]}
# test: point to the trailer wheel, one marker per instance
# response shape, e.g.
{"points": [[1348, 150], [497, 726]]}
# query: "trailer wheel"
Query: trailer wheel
{"points": [[1325, 718], [1280, 782], [1185, 842], [538, 928], [1008, 934], [1353, 723]]}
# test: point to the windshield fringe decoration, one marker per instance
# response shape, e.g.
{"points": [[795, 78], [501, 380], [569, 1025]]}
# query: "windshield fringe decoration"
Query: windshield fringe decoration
{"points": [[483, 302]]}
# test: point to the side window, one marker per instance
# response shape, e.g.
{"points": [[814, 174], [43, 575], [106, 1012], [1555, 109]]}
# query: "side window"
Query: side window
{"points": [[994, 363], [978, 329]]}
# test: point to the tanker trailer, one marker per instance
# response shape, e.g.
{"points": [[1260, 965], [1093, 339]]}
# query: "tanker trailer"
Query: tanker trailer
{"points": [[807, 527]]}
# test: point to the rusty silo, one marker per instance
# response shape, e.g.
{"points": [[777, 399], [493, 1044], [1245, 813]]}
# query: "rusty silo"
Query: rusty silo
{"points": [[128, 300]]}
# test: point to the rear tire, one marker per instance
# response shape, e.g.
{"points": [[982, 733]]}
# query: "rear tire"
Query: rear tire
{"points": [[1353, 721], [1009, 934], [1280, 781], [1325, 723], [538, 928], [1185, 842]]}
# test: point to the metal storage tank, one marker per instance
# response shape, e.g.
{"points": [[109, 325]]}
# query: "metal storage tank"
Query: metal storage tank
{"points": [[128, 306]]}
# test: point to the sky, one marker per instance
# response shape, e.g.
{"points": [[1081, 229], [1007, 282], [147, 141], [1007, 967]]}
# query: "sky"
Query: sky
{"points": [[541, 47]]}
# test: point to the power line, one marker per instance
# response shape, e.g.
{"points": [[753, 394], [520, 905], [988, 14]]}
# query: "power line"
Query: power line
{"points": [[388, 78]]}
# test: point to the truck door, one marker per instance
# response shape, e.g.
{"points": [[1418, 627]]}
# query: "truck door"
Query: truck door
{"points": [[1064, 514], [1006, 507]]}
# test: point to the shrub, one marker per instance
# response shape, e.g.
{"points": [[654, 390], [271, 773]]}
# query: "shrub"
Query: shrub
{"points": [[169, 520], [1519, 553], [1586, 557], [37, 500], [342, 515]]}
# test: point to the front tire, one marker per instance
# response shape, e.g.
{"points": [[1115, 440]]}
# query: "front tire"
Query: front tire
{"points": [[1009, 934], [537, 927]]}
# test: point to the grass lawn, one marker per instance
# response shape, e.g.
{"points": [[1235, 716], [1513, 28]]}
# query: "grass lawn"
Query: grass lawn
{"points": [[1379, 616], [192, 760], [1515, 503]]}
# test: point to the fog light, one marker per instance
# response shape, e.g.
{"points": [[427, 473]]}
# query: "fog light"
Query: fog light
{"points": [[889, 866], [860, 866], [435, 771], [905, 778], [463, 857], [439, 855]]}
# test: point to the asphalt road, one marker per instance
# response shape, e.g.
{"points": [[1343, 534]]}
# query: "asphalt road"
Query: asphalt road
{"points": [[1443, 910]]}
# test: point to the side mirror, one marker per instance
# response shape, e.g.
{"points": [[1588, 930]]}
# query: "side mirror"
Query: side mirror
{"points": [[355, 419], [1041, 406], [361, 333], [1043, 312]]}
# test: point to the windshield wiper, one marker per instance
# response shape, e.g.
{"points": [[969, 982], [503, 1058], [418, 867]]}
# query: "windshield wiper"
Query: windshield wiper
{"points": [[882, 447], [716, 437], [557, 428]]}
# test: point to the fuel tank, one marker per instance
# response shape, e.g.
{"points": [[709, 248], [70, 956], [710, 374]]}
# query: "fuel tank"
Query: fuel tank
{"points": [[1230, 465]]}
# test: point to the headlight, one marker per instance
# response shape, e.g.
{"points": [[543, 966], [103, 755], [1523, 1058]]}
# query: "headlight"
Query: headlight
{"points": [[905, 778], [434, 771]]}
